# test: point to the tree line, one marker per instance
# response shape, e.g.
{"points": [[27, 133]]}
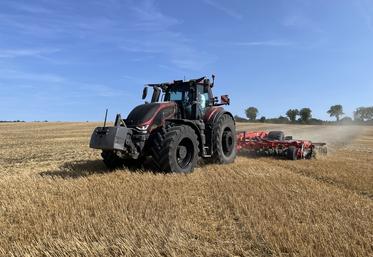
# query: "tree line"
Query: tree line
{"points": [[362, 115], [11, 121]]}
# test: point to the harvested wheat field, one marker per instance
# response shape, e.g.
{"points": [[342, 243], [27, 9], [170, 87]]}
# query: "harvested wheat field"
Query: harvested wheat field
{"points": [[57, 199]]}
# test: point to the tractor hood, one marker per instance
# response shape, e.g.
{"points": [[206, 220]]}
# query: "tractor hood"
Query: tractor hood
{"points": [[144, 114]]}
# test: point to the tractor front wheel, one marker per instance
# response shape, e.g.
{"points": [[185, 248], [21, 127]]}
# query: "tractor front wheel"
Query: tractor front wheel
{"points": [[111, 160], [176, 149]]}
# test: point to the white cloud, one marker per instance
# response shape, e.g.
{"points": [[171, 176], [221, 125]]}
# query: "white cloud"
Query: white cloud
{"points": [[29, 76], [97, 90], [25, 52], [302, 22], [30, 8], [160, 39], [230, 12], [55, 83], [132, 26], [136, 80], [174, 48], [150, 18], [365, 9], [265, 43]]}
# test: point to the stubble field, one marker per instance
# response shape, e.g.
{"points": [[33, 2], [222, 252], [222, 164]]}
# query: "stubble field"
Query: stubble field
{"points": [[57, 199]]}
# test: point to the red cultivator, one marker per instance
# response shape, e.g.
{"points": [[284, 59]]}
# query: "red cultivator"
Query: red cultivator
{"points": [[274, 143]]}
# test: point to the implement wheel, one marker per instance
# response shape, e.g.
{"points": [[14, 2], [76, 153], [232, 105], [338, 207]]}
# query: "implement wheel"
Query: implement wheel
{"points": [[292, 153]]}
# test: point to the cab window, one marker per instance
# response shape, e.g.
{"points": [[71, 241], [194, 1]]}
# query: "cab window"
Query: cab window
{"points": [[203, 97]]}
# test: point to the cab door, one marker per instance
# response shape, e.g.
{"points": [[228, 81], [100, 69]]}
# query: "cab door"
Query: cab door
{"points": [[203, 101]]}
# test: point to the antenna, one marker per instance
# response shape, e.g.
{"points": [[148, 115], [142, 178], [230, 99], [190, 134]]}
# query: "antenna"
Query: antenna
{"points": [[213, 80], [105, 118]]}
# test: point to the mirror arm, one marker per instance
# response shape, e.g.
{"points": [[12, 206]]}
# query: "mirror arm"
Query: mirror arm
{"points": [[144, 93]]}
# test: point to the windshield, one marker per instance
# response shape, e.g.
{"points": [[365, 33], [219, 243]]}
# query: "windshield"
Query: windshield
{"points": [[178, 95]]}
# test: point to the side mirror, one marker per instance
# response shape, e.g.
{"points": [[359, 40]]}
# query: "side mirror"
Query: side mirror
{"points": [[144, 93], [225, 100]]}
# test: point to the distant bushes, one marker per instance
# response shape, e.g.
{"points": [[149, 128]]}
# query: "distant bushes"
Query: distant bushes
{"points": [[362, 116], [312, 121], [240, 119], [11, 121], [279, 120], [16, 121]]}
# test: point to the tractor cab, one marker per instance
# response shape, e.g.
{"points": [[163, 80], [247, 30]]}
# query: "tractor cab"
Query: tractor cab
{"points": [[193, 97]]}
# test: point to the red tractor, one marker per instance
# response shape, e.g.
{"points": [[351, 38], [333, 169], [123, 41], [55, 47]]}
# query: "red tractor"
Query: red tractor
{"points": [[182, 123]]}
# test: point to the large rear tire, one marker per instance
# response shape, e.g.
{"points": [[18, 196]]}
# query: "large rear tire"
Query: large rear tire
{"points": [[175, 149], [224, 140]]}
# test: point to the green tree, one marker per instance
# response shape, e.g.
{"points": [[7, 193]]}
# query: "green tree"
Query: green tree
{"points": [[305, 114], [364, 113], [251, 113], [335, 111], [292, 114]]}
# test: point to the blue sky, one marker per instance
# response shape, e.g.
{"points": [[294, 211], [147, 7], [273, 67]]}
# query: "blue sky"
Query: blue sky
{"points": [[69, 60]]}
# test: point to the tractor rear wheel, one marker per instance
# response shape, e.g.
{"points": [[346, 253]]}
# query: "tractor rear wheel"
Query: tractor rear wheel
{"points": [[111, 160], [175, 149], [224, 140]]}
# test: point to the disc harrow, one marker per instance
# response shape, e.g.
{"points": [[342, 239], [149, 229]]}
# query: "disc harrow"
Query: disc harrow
{"points": [[266, 144]]}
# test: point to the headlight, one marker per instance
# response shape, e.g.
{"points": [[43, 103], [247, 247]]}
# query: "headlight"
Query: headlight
{"points": [[143, 128]]}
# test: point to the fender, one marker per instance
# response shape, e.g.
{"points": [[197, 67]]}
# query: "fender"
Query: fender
{"points": [[217, 116], [214, 113]]}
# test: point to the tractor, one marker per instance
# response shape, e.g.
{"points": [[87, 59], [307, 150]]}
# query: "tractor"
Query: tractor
{"points": [[181, 124]]}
